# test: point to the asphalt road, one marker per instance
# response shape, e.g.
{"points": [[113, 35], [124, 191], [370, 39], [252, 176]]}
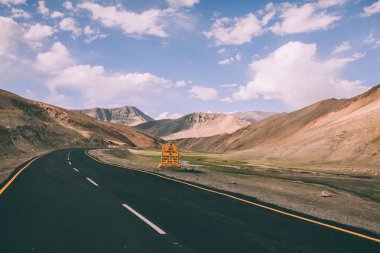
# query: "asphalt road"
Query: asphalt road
{"points": [[72, 203]]}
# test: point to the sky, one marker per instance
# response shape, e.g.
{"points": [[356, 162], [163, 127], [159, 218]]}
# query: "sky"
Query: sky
{"points": [[174, 57]]}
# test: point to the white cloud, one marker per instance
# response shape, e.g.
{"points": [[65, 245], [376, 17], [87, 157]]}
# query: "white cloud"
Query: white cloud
{"points": [[238, 57], [19, 13], [135, 24], [94, 84], [271, 12], [330, 3], [294, 75], [226, 61], [222, 51], [235, 31], [203, 93], [182, 3], [230, 60], [57, 14], [70, 24], [42, 9], [182, 83], [306, 18], [37, 33], [357, 56], [92, 34], [68, 5], [291, 18], [15, 70], [229, 85], [167, 115], [372, 41], [11, 34], [55, 60], [10, 2], [371, 9], [344, 46]]}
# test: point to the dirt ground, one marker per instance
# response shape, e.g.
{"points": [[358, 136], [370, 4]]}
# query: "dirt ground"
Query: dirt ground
{"points": [[342, 206]]}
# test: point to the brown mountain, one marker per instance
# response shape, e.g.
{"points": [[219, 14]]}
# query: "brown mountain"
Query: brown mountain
{"points": [[253, 116], [330, 130], [28, 127], [126, 115], [198, 124]]}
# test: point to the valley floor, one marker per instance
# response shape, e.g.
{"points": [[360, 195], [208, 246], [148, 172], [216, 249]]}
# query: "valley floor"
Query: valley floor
{"points": [[354, 200]]}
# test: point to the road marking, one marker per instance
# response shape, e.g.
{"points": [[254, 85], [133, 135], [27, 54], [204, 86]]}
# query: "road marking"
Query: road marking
{"points": [[68, 159], [246, 201], [89, 179], [70, 163], [159, 230], [75, 169], [18, 173]]}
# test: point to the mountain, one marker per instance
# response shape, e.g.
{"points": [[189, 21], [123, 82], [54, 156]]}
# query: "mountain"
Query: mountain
{"points": [[253, 116], [330, 130], [28, 127], [127, 115], [197, 124]]}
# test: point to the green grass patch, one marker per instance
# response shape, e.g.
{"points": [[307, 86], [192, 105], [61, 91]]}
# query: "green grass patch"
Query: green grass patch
{"points": [[360, 186], [209, 159]]}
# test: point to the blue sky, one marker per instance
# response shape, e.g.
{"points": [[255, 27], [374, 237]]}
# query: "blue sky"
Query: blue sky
{"points": [[175, 57]]}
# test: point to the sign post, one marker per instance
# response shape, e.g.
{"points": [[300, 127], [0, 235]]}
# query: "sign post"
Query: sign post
{"points": [[170, 155]]}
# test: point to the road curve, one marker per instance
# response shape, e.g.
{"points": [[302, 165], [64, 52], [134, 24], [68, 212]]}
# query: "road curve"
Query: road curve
{"points": [[67, 202]]}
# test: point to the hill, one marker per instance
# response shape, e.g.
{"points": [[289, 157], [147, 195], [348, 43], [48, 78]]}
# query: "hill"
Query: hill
{"points": [[28, 127], [126, 115], [327, 131]]}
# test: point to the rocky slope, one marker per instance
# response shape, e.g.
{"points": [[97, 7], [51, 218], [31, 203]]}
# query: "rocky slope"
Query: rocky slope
{"points": [[28, 127], [197, 124], [327, 131], [127, 115]]}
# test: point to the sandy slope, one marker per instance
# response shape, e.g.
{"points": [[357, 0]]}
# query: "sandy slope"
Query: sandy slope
{"points": [[330, 130], [210, 124]]}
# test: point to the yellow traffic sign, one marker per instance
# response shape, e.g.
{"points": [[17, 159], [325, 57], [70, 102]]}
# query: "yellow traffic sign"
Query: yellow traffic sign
{"points": [[170, 155]]}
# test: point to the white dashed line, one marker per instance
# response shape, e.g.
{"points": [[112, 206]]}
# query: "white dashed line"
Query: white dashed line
{"points": [[75, 169], [89, 179], [70, 163], [159, 230]]}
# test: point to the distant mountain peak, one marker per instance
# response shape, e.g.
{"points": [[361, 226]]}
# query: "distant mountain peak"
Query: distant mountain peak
{"points": [[200, 124], [253, 116], [126, 115]]}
